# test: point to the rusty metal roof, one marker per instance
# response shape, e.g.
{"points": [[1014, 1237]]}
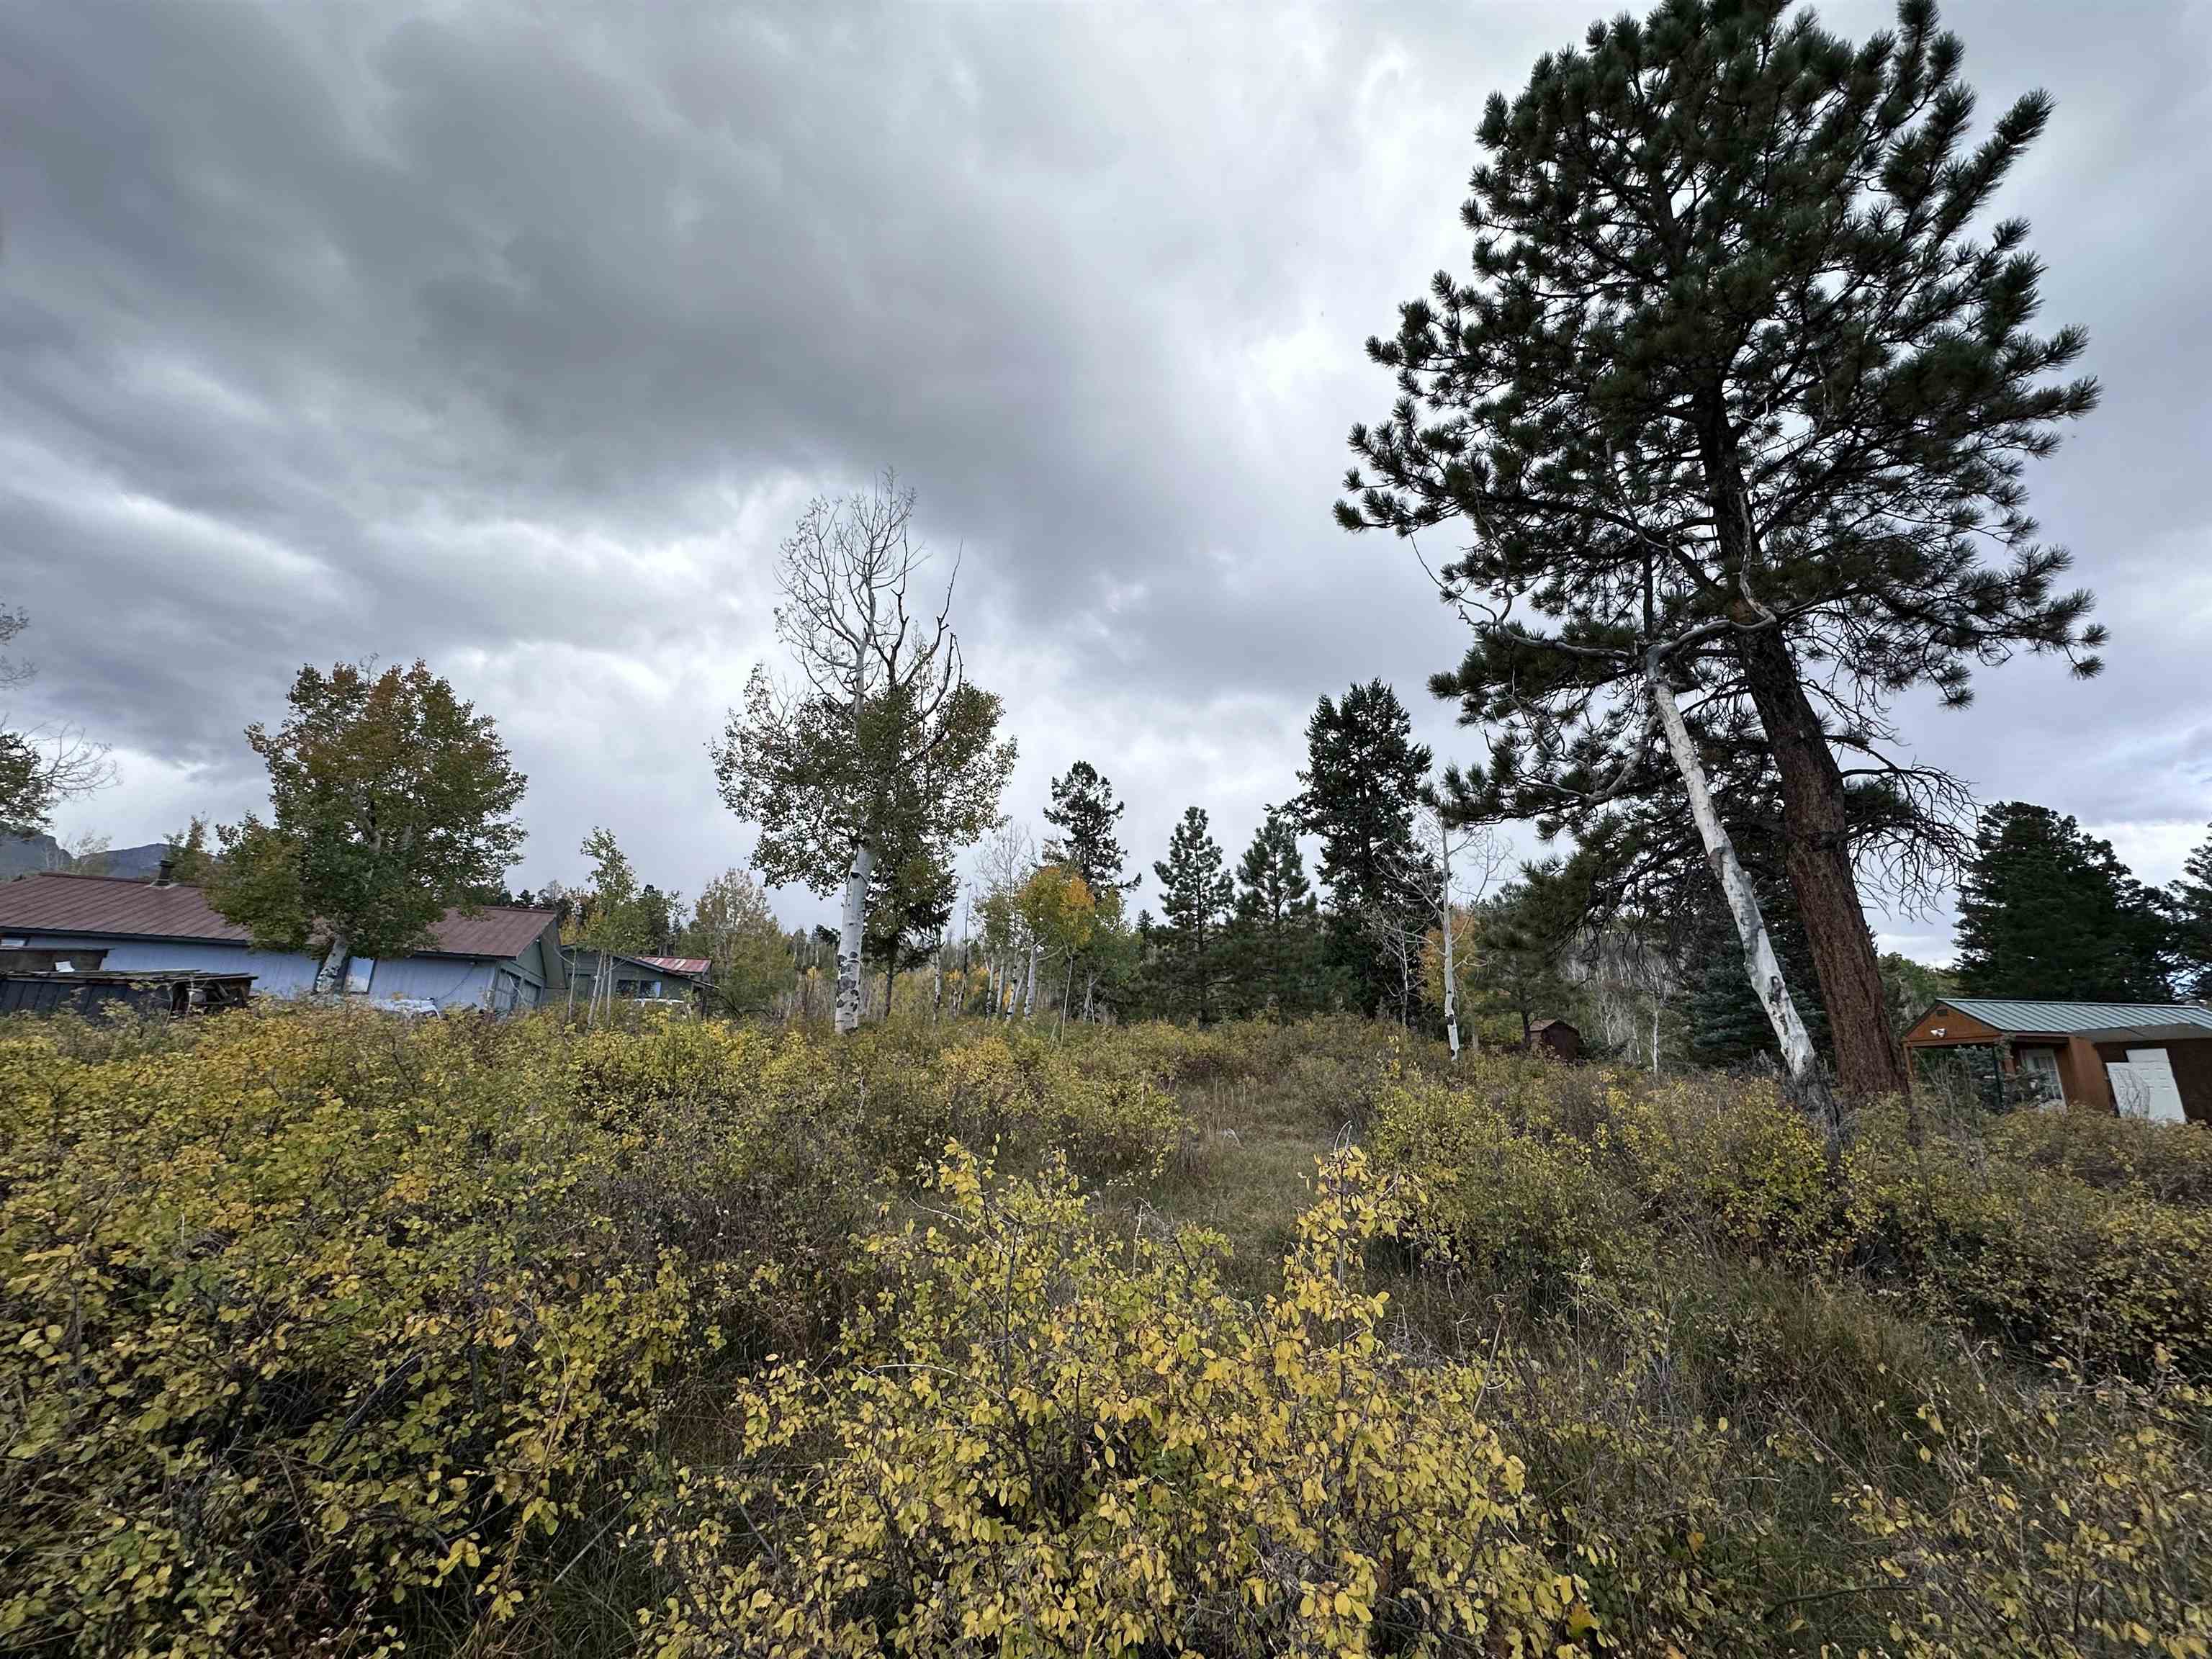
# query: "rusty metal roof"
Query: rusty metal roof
{"points": [[693, 966], [56, 902], [2080, 1019]]}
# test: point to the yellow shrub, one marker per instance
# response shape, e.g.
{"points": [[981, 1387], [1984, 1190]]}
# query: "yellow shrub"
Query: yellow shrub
{"points": [[326, 1325], [2088, 1529], [1034, 1447], [1736, 1165], [2032, 1256], [1527, 1208]]}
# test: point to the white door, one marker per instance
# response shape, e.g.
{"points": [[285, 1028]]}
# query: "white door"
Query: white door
{"points": [[2161, 1094]]}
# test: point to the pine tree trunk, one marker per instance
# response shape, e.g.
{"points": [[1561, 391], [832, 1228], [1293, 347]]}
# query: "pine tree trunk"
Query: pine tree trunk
{"points": [[1763, 966], [1818, 859], [1817, 846], [851, 919]]}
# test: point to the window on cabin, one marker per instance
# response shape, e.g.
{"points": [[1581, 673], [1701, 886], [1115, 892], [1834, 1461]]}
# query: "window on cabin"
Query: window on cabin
{"points": [[359, 971]]}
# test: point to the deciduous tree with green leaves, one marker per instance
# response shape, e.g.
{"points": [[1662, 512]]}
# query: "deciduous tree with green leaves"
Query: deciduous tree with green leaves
{"points": [[748, 953], [391, 800], [884, 742], [1734, 414]]}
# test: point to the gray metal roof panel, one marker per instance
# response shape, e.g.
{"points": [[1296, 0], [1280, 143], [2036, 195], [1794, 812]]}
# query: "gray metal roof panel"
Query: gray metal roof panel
{"points": [[2011, 1014]]}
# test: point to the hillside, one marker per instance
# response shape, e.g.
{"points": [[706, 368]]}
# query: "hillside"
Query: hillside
{"points": [[323, 1332], [23, 855]]}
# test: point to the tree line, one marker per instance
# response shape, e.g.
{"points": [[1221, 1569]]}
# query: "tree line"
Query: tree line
{"points": [[1727, 431]]}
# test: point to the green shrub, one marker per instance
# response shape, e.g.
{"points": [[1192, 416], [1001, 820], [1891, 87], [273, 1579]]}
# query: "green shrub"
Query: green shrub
{"points": [[2036, 1258], [1497, 1197]]}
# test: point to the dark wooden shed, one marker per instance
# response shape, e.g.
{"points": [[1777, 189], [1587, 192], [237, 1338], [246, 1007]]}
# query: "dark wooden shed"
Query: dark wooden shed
{"points": [[1557, 1038]]}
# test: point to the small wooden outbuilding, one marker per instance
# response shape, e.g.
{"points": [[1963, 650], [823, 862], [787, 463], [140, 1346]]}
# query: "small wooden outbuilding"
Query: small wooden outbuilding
{"points": [[1557, 1038], [2145, 1059]]}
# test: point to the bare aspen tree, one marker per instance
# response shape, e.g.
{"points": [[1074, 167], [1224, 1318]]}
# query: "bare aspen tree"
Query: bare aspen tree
{"points": [[883, 740], [1430, 884]]}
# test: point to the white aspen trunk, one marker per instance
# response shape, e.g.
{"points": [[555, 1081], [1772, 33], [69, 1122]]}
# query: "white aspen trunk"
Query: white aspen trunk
{"points": [[1090, 979], [1760, 963], [936, 982], [330, 974], [1029, 984], [1068, 994], [852, 917], [1451, 983]]}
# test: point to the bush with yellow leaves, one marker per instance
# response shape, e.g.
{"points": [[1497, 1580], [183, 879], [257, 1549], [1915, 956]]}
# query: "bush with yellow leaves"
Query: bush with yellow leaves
{"points": [[2076, 1520], [324, 1327], [1733, 1164], [1033, 1445], [1500, 1194], [2040, 1259]]}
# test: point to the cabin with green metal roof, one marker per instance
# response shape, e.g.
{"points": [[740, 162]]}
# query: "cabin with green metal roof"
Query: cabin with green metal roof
{"points": [[2150, 1059]]}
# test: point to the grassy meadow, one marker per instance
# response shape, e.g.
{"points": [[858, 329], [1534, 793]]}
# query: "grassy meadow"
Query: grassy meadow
{"points": [[325, 1333]]}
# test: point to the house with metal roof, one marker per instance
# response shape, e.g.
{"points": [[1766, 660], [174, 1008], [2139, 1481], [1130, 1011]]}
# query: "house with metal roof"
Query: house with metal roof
{"points": [[617, 976], [500, 958], [2142, 1059]]}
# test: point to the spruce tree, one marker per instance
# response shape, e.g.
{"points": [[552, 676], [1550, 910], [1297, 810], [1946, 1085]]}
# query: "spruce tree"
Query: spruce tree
{"points": [[1363, 779], [2189, 905], [1273, 937], [1732, 410], [2050, 911], [1196, 891]]}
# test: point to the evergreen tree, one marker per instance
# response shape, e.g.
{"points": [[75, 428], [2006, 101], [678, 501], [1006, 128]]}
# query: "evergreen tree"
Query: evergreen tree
{"points": [[912, 893], [1521, 939], [1084, 813], [1728, 1023], [2048, 911], [1732, 407], [1196, 892], [2189, 905], [1363, 779], [1273, 942]]}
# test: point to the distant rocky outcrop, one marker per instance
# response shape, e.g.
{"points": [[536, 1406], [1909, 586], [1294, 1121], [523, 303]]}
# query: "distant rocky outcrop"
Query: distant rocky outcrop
{"points": [[23, 855]]}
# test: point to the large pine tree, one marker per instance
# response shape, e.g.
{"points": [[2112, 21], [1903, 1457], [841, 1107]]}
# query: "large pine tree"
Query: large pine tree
{"points": [[1084, 813], [1732, 413], [1196, 891], [1363, 779], [2050, 911]]}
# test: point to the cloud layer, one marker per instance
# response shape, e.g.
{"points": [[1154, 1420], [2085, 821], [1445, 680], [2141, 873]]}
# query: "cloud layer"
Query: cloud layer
{"points": [[514, 336]]}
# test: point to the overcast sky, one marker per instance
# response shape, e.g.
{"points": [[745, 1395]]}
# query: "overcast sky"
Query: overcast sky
{"points": [[513, 336]]}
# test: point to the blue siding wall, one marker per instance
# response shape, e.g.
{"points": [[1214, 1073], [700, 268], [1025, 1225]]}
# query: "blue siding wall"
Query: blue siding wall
{"points": [[275, 973], [448, 981], [445, 981]]}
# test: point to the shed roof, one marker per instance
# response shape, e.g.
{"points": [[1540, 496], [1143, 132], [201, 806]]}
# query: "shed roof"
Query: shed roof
{"points": [[58, 901], [2012, 1014], [691, 966]]}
